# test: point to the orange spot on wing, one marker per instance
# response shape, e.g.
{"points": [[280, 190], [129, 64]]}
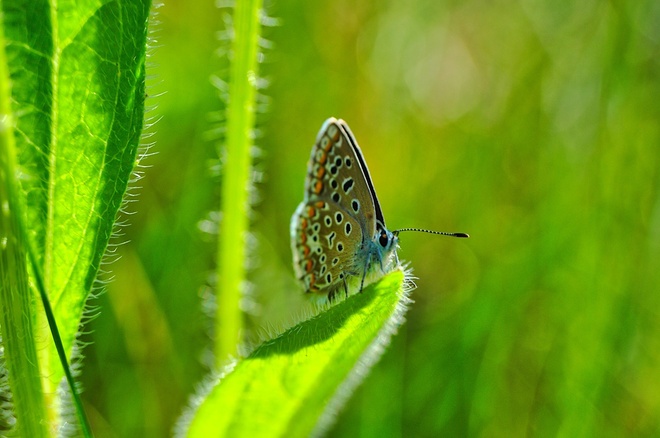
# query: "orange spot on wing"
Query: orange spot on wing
{"points": [[329, 146], [311, 212], [320, 204], [324, 158], [303, 238], [318, 187], [303, 223], [308, 265], [306, 250], [320, 173]]}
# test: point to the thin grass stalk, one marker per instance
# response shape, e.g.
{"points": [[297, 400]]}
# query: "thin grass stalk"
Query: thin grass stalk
{"points": [[236, 177]]}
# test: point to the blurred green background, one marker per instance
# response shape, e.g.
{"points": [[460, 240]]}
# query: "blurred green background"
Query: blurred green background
{"points": [[533, 125]]}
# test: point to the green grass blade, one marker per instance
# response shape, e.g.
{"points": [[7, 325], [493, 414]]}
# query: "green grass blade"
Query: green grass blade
{"points": [[57, 341], [234, 224], [291, 385], [16, 309], [17, 330]]}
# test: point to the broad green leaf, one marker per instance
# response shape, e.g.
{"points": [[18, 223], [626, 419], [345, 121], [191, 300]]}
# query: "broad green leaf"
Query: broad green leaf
{"points": [[290, 383], [77, 76]]}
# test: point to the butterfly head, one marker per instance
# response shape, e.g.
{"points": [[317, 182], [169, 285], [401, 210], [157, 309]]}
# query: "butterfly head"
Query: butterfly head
{"points": [[387, 240], [386, 243]]}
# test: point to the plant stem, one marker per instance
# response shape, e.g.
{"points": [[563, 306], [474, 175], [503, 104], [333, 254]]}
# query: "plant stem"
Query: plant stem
{"points": [[234, 223]]}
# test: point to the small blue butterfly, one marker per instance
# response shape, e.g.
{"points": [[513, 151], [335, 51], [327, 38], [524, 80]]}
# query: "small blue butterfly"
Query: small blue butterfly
{"points": [[338, 233]]}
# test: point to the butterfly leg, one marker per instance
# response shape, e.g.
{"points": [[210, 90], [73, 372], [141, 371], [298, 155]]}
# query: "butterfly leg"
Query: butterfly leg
{"points": [[364, 274]]}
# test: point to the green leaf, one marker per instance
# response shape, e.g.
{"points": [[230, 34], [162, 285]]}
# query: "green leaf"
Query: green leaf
{"points": [[77, 73], [287, 384]]}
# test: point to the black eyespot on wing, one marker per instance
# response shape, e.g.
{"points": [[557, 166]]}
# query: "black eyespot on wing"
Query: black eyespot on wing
{"points": [[338, 161], [336, 197], [333, 170], [339, 217], [334, 184], [348, 162], [347, 228], [331, 237], [356, 205], [347, 185], [340, 247]]}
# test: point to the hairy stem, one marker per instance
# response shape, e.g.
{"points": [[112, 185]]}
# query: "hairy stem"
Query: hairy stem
{"points": [[234, 224]]}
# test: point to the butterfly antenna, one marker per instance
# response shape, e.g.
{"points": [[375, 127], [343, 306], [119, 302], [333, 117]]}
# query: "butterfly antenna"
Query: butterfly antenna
{"points": [[465, 235]]}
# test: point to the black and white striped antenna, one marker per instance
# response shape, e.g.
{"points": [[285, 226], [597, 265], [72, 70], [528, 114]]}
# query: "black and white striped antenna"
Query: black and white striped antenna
{"points": [[420, 230]]}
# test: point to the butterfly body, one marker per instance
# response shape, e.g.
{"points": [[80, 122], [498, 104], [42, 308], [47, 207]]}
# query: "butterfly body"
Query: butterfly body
{"points": [[338, 234]]}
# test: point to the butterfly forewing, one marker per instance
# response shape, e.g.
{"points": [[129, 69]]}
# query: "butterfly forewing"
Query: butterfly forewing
{"points": [[364, 170], [338, 214], [335, 174]]}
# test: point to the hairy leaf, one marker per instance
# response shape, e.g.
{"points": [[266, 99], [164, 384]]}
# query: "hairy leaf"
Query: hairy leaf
{"points": [[287, 384], [77, 71]]}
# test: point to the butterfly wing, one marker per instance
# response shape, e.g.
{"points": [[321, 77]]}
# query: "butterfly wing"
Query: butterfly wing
{"points": [[340, 211], [364, 170], [337, 173], [323, 240]]}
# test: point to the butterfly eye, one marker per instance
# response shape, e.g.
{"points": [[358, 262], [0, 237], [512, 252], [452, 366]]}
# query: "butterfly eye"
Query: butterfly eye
{"points": [[383, 239]]}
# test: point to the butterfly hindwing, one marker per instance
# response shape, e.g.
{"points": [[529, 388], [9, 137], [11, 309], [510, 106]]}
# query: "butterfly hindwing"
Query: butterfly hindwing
{"points": [[325, 241]]}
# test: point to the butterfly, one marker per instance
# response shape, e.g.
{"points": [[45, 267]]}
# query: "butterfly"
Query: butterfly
{"points": [[338, 232]]}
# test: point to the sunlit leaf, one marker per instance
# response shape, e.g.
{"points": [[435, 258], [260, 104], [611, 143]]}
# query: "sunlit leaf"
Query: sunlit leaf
{"points": [[77, 75], [295, 382]]}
